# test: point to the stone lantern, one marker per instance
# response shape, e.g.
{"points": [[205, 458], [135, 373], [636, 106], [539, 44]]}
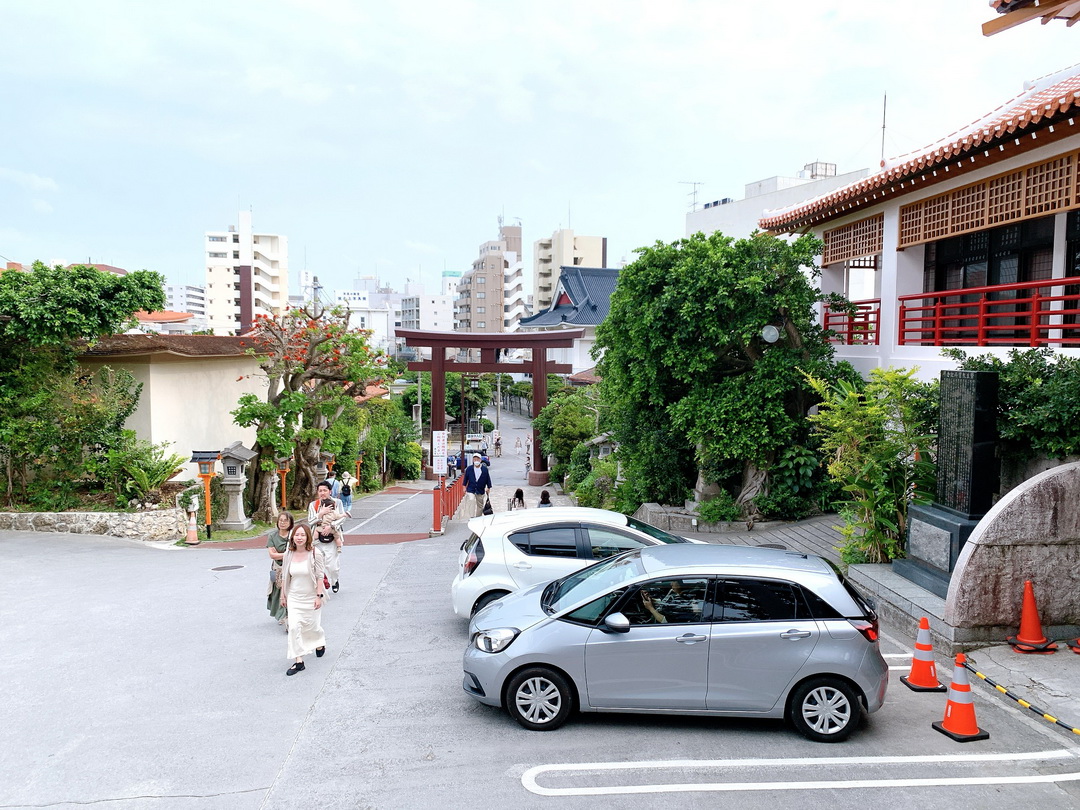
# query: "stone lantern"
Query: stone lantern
{"points": [[326, 463], [235, 459]]}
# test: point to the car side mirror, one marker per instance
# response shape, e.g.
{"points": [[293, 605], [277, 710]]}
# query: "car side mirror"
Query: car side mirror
{"points": [[616, 623]]}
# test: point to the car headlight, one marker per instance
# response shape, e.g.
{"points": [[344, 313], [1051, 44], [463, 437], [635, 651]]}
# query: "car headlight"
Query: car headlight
{"points": [[495, 640]]}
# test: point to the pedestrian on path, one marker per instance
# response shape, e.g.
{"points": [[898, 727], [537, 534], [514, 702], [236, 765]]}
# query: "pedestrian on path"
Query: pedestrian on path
{"points": [[517, 446], [277, 542], [477, 484], [328, 542], [302, 593], [325, 507], [545, 498], [346, 492], [518, 501]]}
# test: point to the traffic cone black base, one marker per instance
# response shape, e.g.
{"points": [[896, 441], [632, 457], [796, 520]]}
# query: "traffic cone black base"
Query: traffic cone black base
{"points": [[980, 735], [904, 680]]}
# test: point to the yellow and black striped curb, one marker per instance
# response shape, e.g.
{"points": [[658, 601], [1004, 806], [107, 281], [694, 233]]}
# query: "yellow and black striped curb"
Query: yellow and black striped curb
{"points": [[1043, 714]]}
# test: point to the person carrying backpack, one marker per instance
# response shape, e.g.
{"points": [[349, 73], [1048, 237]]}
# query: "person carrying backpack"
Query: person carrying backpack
{"points": [[346, 492]]}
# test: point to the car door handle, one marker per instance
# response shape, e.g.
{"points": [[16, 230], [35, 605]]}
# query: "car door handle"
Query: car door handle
{"points": [[689, 638], [522, 566], [793, 634]]}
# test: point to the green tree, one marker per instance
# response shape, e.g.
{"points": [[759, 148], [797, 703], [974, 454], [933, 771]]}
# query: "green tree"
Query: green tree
{"points": [[315, 364], [52, 420], [692, 385], [569, 419]]}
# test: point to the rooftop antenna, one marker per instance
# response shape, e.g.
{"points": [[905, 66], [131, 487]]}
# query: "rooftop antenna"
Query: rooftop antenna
{"points": [[693, 194], [884, 101]]}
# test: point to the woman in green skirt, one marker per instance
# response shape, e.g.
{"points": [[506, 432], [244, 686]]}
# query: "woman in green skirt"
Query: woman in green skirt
{"points": [[277, 541]]}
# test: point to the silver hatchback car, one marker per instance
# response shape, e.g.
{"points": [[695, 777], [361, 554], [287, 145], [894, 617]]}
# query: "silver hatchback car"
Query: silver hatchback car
{"points": [[731, 631]]}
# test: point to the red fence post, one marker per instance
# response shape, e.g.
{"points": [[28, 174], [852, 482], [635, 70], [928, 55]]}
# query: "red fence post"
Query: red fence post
{"points": [[436, 508], [1036, 305]]}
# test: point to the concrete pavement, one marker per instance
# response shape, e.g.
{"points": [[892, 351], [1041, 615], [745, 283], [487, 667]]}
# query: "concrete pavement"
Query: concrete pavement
{"points": [[137, 676]]}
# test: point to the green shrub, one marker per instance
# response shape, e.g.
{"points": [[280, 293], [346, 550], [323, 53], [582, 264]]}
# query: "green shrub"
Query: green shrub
{"points": [[718, 509], [558, 472], [784, 505], [598, 488], [411, 463], [579, 467]]}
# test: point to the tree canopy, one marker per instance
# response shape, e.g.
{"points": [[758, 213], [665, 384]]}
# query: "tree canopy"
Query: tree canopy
{"points": [[690, 380], [53, 422]]}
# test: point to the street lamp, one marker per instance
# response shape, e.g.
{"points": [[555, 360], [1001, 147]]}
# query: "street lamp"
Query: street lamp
{"points": [[206, 459], [282, 471], [474, 384]]}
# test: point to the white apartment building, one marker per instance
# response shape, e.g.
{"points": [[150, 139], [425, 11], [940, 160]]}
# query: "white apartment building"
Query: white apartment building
{"points": [[186, 298], [491, 295], [563, 249], [247, 274]]}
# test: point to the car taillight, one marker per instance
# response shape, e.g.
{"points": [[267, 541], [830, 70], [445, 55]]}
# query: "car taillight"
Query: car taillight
{"points": [[476, 554], [869, 629]]}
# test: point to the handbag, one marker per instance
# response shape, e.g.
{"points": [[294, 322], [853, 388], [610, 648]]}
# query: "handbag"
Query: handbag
{"points": [[487, 507]]}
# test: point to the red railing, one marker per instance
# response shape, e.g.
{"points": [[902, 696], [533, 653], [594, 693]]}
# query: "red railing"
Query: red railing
{"points": [[1032, 313], [859, 328], [444, 501]]}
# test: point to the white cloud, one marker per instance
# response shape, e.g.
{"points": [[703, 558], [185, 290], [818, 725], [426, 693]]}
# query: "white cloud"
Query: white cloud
{"points": [[41, 207], [28, 180]]}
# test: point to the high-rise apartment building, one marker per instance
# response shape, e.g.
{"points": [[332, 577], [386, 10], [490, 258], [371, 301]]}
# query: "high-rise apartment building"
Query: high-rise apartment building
{"points": [[247, 274], [563, 249], [491, 295]]}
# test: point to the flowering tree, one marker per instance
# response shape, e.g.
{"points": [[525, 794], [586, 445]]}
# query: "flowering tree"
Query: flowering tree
{"points": [[315, 363]]}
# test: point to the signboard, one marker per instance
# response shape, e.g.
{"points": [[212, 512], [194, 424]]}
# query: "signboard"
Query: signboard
{"points": [[438, 447], [474, 438]]}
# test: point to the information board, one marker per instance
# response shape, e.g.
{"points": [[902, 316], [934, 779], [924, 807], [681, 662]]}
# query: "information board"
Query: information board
{"points": [[438, 447]]}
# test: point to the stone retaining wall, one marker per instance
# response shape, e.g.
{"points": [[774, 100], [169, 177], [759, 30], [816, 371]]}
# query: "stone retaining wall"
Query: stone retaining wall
{"points": [[679, 521], [162, 524]]}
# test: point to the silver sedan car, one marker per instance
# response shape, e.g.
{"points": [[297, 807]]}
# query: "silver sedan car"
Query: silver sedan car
{"points": [[730, 631]]}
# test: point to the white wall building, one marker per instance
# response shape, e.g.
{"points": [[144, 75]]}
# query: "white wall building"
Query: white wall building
{"points": [[247, 274]]}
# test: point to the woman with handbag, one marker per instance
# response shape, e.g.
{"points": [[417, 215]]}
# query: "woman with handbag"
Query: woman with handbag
{"points": [[277, 541], [302, 593]]}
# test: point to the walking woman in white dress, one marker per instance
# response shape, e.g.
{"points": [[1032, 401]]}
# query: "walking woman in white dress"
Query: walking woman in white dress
{"points": [[302, 593]]}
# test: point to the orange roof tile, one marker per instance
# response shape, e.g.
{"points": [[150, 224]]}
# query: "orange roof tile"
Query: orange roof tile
{"points": [[165, 316], [1043, 102]]}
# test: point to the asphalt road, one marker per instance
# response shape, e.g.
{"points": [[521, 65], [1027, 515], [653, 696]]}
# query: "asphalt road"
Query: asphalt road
{"points": [[141, 677]]}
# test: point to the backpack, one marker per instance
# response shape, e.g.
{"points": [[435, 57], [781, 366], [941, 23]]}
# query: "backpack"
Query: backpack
{"points": [[346, 490]]}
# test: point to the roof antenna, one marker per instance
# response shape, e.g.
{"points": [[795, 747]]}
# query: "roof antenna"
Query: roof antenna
{"points": [[692, 194], [884, 101]]}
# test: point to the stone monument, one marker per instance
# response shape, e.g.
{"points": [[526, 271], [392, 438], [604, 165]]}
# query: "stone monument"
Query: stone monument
{"points": [[967, 480]]}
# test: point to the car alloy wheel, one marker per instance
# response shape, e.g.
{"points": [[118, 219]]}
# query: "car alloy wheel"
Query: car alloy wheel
{"points": [[539, 699], [825, 710]]}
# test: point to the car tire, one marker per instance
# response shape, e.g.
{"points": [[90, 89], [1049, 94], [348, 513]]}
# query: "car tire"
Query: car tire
{"points": [[539, 698], [486, 600], [825, 709]]}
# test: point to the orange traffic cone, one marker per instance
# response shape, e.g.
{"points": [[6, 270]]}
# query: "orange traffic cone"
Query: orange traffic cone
{"points": [[1030, 639], [923, 675], [959, 721], [1075, 646]]}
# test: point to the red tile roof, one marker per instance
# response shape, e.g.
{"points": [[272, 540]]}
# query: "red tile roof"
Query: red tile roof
{"points": [[104, 268], [1042, 103], [165, 316]]}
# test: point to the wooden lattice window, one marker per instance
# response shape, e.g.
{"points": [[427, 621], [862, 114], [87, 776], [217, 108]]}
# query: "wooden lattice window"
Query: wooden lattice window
{"points": [[1005, 198], [969, 208], [853, 241], [1032, 191], [1047, 186]]}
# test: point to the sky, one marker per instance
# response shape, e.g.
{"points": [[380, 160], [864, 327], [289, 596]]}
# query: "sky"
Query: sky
{"points": [[387, 138]]}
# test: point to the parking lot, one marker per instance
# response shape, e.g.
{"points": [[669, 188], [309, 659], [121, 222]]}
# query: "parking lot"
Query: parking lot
{"points": [[143, 677]]}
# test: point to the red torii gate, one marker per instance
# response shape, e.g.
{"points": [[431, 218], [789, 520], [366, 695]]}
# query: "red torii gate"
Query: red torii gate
{"points": [[487, 343]]}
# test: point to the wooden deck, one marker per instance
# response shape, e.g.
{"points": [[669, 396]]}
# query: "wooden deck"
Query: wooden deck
{"points": [[817, 535]]}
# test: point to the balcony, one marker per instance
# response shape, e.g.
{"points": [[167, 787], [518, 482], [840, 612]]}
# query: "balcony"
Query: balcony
{"points": [[1032, 313], [858, 328]]}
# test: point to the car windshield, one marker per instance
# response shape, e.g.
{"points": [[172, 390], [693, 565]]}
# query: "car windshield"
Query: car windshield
{"points": [[592, 581], [652, 531]]}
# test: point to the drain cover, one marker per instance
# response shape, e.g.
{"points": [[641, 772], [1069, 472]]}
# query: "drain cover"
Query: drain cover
{"points": [[226, 568]]}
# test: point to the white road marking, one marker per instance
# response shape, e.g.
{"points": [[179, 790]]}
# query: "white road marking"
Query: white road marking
{"points": [[528, 779], [387, 509]]}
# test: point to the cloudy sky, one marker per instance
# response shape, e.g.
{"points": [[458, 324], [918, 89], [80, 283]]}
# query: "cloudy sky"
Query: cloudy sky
{"points": [[386, 138]]}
